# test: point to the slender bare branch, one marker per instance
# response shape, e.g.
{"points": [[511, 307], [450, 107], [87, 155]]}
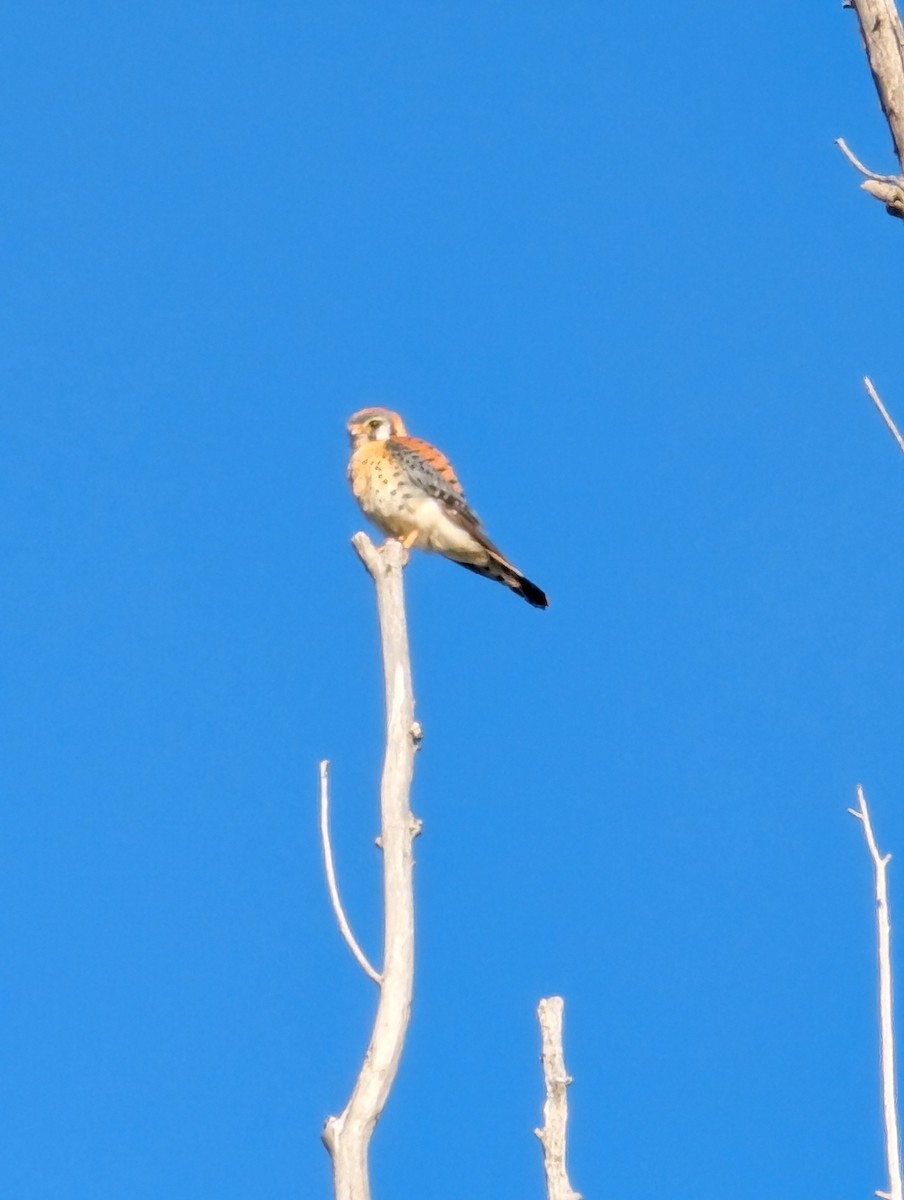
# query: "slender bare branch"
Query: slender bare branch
{"points": [[886, 1018], [883, 412], [555, 1107], [883, 40], [347, 1137], [330, 867], [855, 162]]}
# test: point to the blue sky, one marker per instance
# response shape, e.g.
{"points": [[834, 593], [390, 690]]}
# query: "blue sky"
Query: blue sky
{"points": [[613, 264]]}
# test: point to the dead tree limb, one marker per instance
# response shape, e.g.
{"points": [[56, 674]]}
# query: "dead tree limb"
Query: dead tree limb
{"points": [[883, 412], [330, 867], [883, 40], [886, 1018], [555, 1108], [347, 1136]]}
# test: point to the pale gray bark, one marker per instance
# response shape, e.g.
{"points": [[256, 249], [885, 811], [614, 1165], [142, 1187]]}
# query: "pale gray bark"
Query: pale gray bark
{"points": [[347, 1136], [332, 885], [883, 40], [555, 1108], [883, 412], [886, 1014]]}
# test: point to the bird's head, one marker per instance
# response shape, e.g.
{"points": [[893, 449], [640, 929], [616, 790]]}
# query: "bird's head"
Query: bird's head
{"points": [[374, 425]]}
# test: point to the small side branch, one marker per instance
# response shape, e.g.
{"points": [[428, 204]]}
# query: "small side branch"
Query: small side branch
{"points": [[883, 412], [883, 40], [555, 1107], [347, 1136], [886, 1022], [330, 867], [855, 162]]}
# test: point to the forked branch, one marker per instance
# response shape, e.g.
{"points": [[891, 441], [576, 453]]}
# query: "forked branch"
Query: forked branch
{"points": [[347, 1136], [886, 1022], [883, 40]]}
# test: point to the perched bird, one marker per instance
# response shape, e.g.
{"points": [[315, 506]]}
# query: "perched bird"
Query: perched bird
{"points": [[410, 491]]}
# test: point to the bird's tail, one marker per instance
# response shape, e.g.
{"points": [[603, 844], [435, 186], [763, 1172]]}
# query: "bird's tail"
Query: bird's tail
{"points": [[501, 569], [522, 586]]}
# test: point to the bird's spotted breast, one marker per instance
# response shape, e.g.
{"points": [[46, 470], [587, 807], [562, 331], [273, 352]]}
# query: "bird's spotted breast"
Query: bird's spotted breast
{"points": [[410, 490], [383, 489]]}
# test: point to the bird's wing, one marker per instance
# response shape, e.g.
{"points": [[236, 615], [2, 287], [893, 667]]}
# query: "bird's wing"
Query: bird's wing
{"points": [[431, 470]]}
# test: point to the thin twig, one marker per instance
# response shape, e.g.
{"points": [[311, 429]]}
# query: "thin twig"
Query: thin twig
{"points": [[344, 928], [886, 1020], [883, 412], [855, 161], [555, 1107]]}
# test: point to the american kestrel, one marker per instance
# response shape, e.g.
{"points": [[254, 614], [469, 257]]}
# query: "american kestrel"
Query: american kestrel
{"points": [[410, 491]]}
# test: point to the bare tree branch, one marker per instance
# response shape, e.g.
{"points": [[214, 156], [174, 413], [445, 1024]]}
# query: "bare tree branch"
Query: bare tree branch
{"points": [[329, 866], [883, 40], [886, 1021], [855, 162], [347, 1137], [883, 412], [555, 1108]]}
